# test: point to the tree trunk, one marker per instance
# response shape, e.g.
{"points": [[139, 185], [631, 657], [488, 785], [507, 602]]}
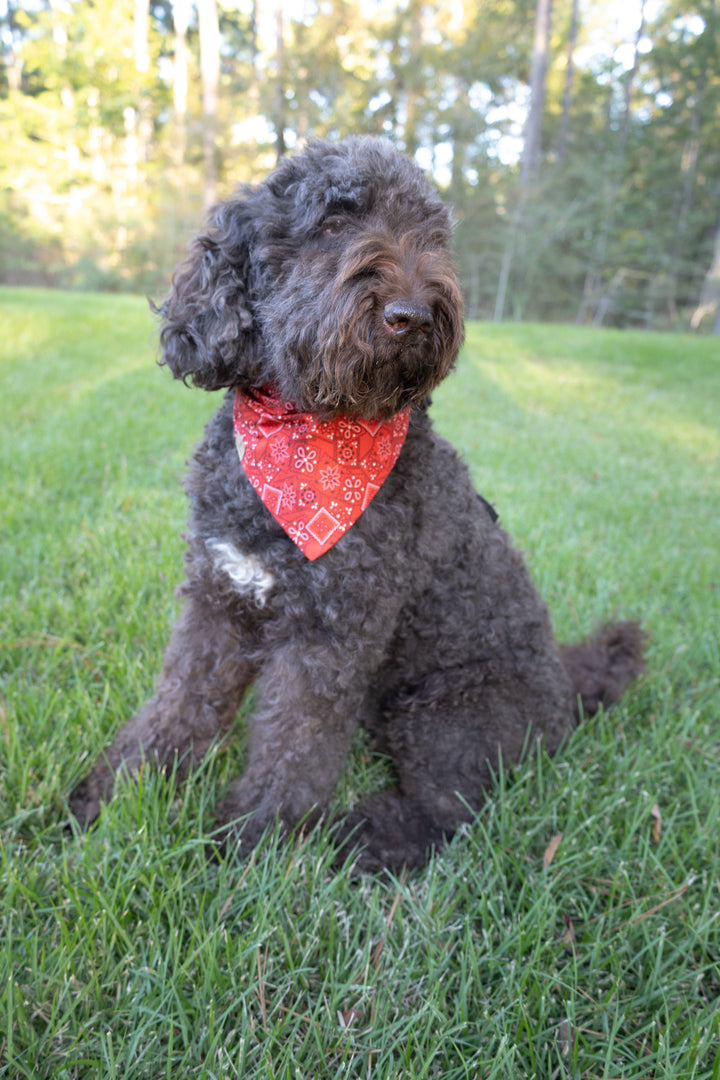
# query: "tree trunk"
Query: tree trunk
{"points": [[533, 129], [569, 79], [593, 276], [412, 142], [254, 87], [530, 165], [143, 123], [630, 83], [210, 72], [710, 296], [507, 261], [140, 35], [279, 84], [181, 18]]}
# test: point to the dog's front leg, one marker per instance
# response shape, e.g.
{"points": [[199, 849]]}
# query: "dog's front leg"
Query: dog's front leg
{"points": [[307, 711], [205, 674]]}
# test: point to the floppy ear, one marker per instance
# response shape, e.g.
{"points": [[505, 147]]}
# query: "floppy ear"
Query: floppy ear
{"points": [[207, 336]]}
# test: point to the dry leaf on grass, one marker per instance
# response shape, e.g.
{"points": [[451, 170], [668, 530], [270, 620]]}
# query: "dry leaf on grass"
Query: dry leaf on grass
{"points": [[657, 823], [568, 938], [566, 1038], [551, 849], [349, 1017]]}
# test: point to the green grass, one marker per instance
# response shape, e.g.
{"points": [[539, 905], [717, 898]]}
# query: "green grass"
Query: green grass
{"points": [[126, 953]]}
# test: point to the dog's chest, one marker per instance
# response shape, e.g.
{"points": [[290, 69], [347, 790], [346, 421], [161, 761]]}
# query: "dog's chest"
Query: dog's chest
{"points": [[248, 576]]}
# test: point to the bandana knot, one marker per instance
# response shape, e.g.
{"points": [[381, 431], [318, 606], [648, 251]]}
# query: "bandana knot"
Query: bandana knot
{"points": [[316, 477]]}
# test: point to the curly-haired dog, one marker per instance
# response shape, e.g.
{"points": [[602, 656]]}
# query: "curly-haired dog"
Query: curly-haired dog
{"points": [[339, 558]]}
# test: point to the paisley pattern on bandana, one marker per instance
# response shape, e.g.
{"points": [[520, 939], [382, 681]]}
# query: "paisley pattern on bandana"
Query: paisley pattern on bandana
{"points": [[316, 477]]}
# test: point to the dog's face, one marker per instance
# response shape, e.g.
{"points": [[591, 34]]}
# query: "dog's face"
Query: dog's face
{"points": [[332, 279]]}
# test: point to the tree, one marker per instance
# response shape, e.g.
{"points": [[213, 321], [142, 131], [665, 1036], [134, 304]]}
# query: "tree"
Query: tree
{"points": [[181, 21], [569, 78], [121, 118], [591, 297], [533, 130], [279, 102], [709, 303], [530, 164], [210, 75]]}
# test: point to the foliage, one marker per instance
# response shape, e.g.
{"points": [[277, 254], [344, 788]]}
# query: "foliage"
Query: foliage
{"points": [[103, 174], [572, 930]]}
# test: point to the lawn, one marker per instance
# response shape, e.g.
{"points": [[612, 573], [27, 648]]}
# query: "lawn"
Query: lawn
{"points": [[572, 931]]}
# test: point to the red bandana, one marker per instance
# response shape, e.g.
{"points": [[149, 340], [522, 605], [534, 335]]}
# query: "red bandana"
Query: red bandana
{"points": [[315, 477]]}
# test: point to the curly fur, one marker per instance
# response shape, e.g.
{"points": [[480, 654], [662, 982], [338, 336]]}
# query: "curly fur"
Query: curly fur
{"points": [[421, 624]]}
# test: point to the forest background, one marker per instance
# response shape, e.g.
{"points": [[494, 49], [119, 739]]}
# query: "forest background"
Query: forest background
{"points": [[577, 141]]}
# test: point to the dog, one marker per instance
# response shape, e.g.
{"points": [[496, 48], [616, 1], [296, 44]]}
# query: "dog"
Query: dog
{"points": [[339, 560]]}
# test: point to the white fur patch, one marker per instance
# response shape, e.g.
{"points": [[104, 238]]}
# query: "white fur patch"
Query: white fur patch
{"points": [[246, 572]]}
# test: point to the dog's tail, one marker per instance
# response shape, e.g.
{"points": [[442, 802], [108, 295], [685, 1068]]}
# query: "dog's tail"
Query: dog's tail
{"points": [[601, 666]]}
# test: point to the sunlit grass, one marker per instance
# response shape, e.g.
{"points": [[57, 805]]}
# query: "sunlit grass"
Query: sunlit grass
{"points": [[127, 953], [560, 370]]}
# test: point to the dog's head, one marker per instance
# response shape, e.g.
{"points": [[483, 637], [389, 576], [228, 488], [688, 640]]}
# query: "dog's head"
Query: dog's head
{"points": [[332, 280]]}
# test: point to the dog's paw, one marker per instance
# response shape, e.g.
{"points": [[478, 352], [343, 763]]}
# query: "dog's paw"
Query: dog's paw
{"points": [[387, 832], [238, 833], [86, 799], [84, 804]]}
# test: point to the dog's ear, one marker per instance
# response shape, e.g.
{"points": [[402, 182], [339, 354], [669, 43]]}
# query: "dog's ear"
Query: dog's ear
{"points": [[208, 334]]}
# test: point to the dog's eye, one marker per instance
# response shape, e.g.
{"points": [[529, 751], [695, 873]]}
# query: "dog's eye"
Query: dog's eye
{"points": [[333, 226]]}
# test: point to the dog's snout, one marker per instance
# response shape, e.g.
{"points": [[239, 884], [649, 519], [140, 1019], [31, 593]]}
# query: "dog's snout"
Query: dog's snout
{"points": [[408, 318]]}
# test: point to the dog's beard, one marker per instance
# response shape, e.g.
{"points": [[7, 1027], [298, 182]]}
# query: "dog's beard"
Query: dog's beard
{"points": [[363, 371]]}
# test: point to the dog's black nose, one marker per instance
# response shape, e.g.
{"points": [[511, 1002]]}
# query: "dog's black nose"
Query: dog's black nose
{"points": [[408, 319]]}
